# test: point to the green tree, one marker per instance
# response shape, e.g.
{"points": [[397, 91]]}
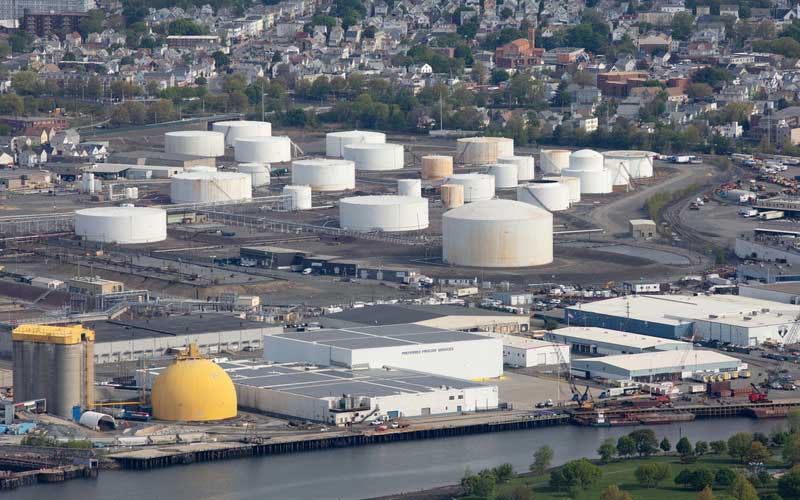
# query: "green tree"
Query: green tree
{"points": [[186, 27], [684, 447], [482, 485], [26, 83], [626, 446], [504, 472], [612, 492], [758, 452], [575, 476], [701, 447], [682, 23], [739, 445], [92, 22], [499, 76], [11, 104], [789, 485], [724, 476], [743, 489], [517, 492], [665, 445], [221, 59], [718, 447], [542, 458], [702, 478], [646, 442], [650, 475], [684, 477], [607, 450], [793, 420], [791, 450], [699, 90], [715, 77]]}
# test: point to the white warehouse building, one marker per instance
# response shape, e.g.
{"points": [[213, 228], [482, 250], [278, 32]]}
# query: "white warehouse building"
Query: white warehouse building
{"points": [[656, 366], [601, 341], [524, 352], [405, 346]]}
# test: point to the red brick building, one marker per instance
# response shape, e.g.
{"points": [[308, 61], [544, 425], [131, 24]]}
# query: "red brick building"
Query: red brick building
{"points": [[519, 53]]}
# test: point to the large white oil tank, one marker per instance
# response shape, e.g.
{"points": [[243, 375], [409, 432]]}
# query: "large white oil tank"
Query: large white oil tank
{"points": [[553, 161], [236, 129], [574, 184], [263, 149], [477, 187], [300, 197], [90, 184], [195, 143], [525, 166], [637, 164], [452, 195], [505, 175], [324, 174], [550, 195], [123, 225], [497, 233], [592, 181], [259, 173], [383, 213], [436, 167], [483, 150], [336, 141], [200, 168], [409, 187], [209, 187], [586, 159], [375, 156]]}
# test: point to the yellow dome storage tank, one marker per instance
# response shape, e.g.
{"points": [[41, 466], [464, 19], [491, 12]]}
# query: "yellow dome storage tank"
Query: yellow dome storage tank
{"points": [[193, 389]]}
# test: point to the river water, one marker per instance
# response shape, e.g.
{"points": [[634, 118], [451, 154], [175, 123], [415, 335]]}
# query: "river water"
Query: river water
{"points": [[368, 471]]}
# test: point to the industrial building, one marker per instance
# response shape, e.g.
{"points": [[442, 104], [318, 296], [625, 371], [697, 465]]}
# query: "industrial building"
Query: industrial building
{"points": [[726, 318], [159, 158], [524, 352], [643, 229], [783, 292], [337, 396], [127, 340], [406, 346], [56, 364], [604, 342], [655, 366]]}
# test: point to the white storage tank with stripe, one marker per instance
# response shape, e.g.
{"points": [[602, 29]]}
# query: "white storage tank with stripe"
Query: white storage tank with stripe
{"points": [[639, 164], [375, 156], [552, 196], [236, 129], [553, 161], [336, 141], [477, 187], [592, 181], [263, 149], [122, 225], [383, 213], [259, 173], [409, 187], [525, 166], [210, 187], [195, 143], [300, 197], [483, 150], [497, 233], [505, 175], [452, 195], [619, 172], [324, 174], [574, 184]]}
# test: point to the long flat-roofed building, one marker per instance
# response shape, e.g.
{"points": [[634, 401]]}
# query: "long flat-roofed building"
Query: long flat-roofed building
{"points": [[406, 346], [338, 396], [655, 366], [605, 342]]}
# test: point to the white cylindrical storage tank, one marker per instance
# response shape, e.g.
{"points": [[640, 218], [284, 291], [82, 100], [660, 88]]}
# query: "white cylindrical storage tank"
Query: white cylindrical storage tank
{"points": [[574, 184], [619, 172], [483, 150], [200, 168], [375, 156], [477, 187], [586, 159], [525, 166], [135, 193], [300, 197], [123, 225], [505, 175], [336, 141], [383, 213], [263, 149], [638, 164], [409, 187], [452, 195], [436, 167], [209, 187], [497, 233], [195, 143], [553, 161], [592, 181], [324, 174], [550, 195], [259, 173], [236, 129]]}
